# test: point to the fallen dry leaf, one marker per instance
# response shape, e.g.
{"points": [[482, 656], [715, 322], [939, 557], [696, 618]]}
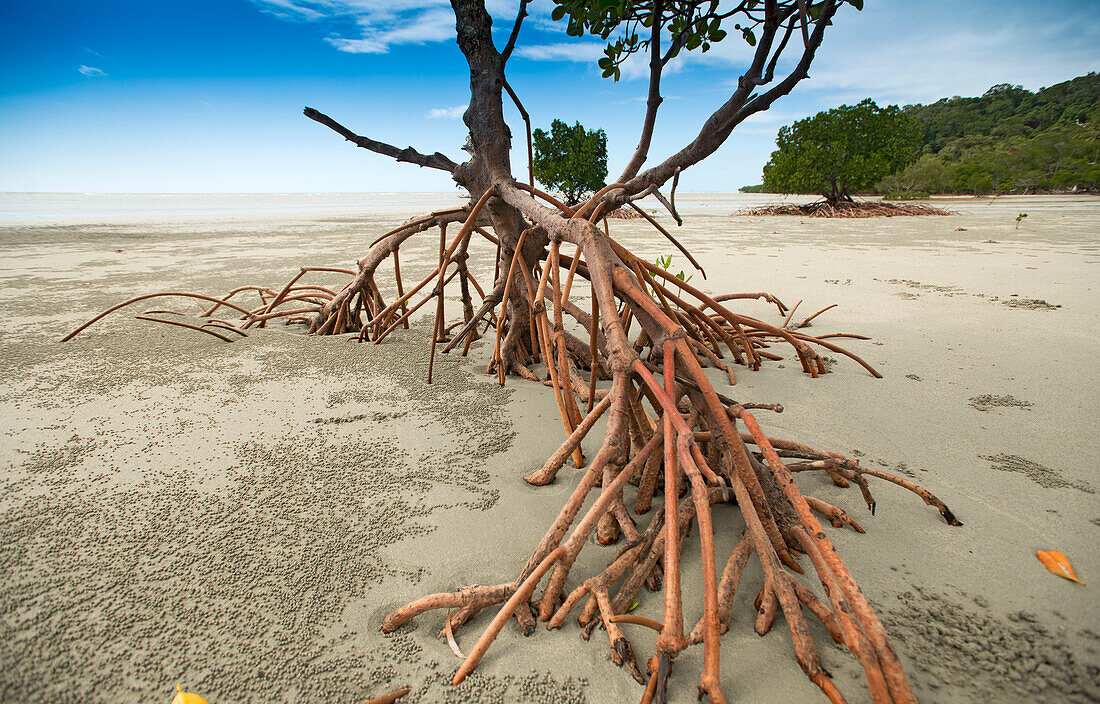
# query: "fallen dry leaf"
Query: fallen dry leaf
{"points": [[1058, 563], [451, 639]]}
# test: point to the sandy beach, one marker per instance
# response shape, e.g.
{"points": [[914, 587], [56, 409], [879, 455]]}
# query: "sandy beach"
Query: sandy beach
{"points": [[240, 517]]}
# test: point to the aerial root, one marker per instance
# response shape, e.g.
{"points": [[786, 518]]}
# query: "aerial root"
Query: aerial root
{"points": [[684, 445], [389, 698], [847, 209], [137, 299], [521, 595], [674, 439], [180, 323], [835, 515], [360, 306]]}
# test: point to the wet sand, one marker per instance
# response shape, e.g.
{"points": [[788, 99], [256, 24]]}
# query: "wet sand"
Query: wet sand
{"points": [[239, 517]]}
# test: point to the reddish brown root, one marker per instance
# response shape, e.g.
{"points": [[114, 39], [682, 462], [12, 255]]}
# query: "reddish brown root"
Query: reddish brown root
{"points": [[848, 209], [685, 446], [389, 698]]}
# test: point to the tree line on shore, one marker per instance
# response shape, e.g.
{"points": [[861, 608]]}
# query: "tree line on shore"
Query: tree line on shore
{"points": [[1009, 140]]}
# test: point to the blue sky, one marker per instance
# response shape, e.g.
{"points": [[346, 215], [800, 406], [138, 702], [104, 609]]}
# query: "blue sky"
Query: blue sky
{"points": [[206, 95]]}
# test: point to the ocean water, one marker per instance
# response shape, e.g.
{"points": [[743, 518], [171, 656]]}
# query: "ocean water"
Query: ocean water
{"points": [[34, 209]]}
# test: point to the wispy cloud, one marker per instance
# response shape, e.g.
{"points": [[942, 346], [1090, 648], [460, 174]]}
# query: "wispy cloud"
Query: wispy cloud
{"points": [[289, 10], [564, 51], [93, 52], [589, 52], [454, 113], [379, 32], [898, 52], [381, 24], [937, 62], [92, 71], [774, 117]]}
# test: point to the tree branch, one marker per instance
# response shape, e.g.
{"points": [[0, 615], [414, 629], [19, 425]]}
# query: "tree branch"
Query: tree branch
{"points": [[653, 102], [770, 73], [515, 31], [739, 106], [408, 154], [801, 71], [527, 123]]}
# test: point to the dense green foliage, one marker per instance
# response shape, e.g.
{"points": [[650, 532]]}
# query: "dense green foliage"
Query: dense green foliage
{"points": [[842, 151], [570, 160], [1006, 111], [1009, 140], [1062, 158]]}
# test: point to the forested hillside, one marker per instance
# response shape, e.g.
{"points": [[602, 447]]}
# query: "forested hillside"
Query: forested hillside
{"points": [[1009, 140], [1007, 111]]}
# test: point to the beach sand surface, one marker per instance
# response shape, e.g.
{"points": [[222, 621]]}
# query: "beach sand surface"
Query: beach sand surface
{"points": [[240, 517]]}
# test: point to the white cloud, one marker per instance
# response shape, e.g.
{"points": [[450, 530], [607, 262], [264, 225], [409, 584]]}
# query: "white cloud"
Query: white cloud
{"points": [[92, 72], [774, 117], [937, 61], [383, 24], [380, 31], [454, 113], [904, 52], [565, 51]]}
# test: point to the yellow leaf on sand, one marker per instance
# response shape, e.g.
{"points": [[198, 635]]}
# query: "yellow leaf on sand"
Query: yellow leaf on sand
{"points": [[183, 697], [1058, 563]]}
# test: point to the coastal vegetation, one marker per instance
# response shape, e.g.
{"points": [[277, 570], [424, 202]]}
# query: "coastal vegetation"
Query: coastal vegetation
{"points": [[1008, 140], [842, 151]]}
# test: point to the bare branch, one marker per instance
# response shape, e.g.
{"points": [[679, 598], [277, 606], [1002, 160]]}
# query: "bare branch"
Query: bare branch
{"points": [[801, 71], [803, 17], [670, 206], [654, 101], [408, 154], [527, 123], [770, 73], [739, 106], [515, 31]]}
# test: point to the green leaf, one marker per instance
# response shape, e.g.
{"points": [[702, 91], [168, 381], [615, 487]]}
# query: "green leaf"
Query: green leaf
{"points": [[749, 37], [558, 13], [633, 606], [858, 4]]}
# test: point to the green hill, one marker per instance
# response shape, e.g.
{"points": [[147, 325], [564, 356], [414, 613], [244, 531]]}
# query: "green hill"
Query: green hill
{"points": [[1009, 140], [1006, 111]]}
